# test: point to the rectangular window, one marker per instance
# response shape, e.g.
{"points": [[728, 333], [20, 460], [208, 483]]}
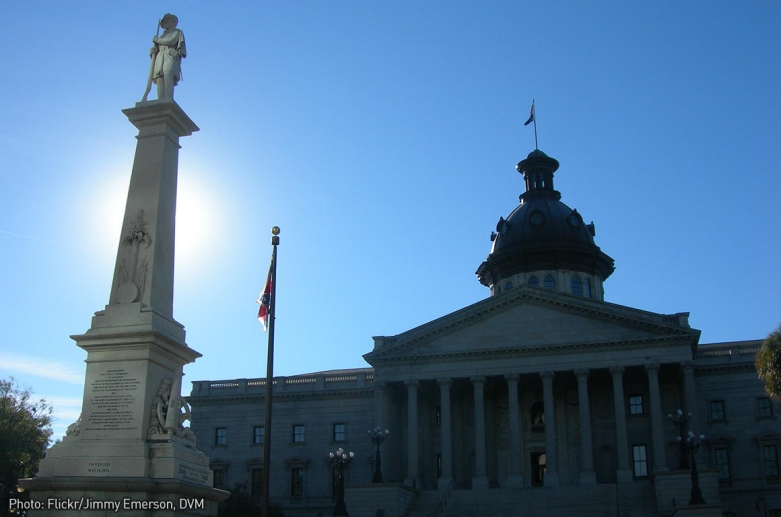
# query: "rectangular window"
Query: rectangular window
{"points": [[299, 434], [640, 461], [770, 459], [296, 482], [221, 436], [717, 410], [764, 407], [259, 435], [219, 478], [721, 461], [636, 405], [256, 487], [340, 432]]}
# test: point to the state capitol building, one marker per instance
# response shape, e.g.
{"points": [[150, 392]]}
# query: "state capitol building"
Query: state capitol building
{"points": [[542, 399]]}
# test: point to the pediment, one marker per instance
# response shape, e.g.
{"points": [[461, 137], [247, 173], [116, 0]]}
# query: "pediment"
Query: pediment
{"points": [[529, 318]]}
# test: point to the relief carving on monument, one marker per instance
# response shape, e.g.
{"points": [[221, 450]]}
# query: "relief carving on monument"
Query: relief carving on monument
{"points": [[132, 274], [168, 414]]}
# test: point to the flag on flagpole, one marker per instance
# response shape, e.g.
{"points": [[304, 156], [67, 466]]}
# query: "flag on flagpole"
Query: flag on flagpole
{"points": [[264, 298], [531, 116]]}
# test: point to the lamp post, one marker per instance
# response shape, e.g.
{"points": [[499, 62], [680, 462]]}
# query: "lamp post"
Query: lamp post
{"points": [[340, 460], [377, 437], [691, 444]]}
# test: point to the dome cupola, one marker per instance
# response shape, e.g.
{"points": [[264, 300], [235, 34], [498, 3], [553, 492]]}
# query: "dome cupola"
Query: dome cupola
{"points": [[543, 242]]}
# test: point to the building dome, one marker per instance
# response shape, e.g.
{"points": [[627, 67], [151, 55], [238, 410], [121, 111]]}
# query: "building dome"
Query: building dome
{"points": [[543, 235]]}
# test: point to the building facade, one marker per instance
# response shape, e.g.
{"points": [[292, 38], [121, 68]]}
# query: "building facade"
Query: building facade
{"points": [[542, 388]]}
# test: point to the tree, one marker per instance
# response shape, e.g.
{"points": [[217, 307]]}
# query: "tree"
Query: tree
{"points": [[769, 363], [25, 428]]}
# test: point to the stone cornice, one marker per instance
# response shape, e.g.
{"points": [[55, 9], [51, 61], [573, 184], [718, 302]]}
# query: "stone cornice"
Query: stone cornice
{"points": [[524, 295], [545, 350], [212, 398]]}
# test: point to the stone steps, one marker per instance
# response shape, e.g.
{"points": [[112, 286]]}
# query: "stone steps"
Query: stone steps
{"points": [[630, 500]]}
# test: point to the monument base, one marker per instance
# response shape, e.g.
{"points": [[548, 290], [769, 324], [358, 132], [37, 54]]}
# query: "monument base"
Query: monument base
{"points": [[131, 497]]}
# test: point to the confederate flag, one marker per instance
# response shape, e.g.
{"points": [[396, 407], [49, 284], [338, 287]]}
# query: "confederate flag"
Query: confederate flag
{"points": [[264, 299]]}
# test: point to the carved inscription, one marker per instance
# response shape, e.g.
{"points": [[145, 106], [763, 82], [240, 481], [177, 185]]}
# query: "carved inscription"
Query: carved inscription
{"points": [[98, 467], [193, 475], [112, 396]]}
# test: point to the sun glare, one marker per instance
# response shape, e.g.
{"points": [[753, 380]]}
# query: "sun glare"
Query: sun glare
{"points": [[198, 212]]}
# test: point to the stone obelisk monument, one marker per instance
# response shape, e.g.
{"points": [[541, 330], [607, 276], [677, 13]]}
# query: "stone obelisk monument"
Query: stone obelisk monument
{"points": [[130, 446]]}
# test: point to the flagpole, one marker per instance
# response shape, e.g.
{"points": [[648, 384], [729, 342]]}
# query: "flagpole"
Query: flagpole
{"points": [[536, 147], [266, 506]]}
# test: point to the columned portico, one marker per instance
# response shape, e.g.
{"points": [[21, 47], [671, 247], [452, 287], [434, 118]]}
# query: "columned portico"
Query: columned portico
{"points": [[445, 427], [480, 479], [551, 463], [587, 474], [412, 433], [623, 473], [515, 477], [657, 431]]}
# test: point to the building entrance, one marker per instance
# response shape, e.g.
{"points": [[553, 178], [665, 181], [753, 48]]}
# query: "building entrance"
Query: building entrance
{"points": [[538, 462]]}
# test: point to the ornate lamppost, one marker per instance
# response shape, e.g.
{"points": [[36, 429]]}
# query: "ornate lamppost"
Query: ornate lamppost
{"points": [[691, 444], [377, 437], [340, 460]]}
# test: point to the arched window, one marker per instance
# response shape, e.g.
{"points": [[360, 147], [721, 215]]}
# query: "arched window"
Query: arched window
{"points": [[576, 286], [534, 281], [508, 286], [537, 417], [587, 293], [549, 282]]}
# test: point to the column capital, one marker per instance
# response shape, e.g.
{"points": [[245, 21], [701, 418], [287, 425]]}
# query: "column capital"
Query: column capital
{"points": [[477, 379], [512, 377], [617, 370], [687, 366], [547, 375], [581, 373], [444, 382], [652, 367], [412, 383]]}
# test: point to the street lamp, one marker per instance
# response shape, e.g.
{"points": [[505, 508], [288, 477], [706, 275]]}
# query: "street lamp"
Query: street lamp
{"points": [[340, 460], [377, 437], [689, 443]]}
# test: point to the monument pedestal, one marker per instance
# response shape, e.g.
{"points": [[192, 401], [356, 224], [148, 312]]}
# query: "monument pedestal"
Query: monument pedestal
{"points": [[129, 446]]}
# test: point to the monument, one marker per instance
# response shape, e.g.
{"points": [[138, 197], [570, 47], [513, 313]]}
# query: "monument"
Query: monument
{"points": [[130, 449]]}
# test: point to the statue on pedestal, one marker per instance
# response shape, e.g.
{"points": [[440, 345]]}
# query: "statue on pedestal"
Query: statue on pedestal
{"points": [[167, 53]]}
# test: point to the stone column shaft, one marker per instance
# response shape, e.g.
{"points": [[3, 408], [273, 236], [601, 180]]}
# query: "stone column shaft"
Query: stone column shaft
{"points": [[657, 430], [412, 433], [480, 480], [587, 474], [445, 427], [551, 458], [623, 473], [515, 478]]}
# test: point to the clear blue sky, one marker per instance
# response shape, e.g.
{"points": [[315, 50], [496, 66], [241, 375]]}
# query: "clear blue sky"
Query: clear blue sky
{"points": [[382, 138]]}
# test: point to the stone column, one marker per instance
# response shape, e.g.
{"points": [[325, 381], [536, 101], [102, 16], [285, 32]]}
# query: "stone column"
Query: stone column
{"points": [[587, 474], [480, 479], [515, 478], [412, 433], [657, 431], [551, 458], [445, 428], [379, 405], [624, 472], [690, 395]]}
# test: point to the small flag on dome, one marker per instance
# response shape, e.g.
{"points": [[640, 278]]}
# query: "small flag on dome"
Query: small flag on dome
{"points": [[531, 116]]}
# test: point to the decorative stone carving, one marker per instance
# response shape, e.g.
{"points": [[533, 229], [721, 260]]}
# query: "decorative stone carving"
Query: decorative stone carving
{"points": [[168, 414], [132, 276], [74, 429]]}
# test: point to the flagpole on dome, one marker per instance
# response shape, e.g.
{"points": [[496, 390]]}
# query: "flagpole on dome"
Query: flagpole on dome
{"points": [[533, 118], [266, 315]]}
